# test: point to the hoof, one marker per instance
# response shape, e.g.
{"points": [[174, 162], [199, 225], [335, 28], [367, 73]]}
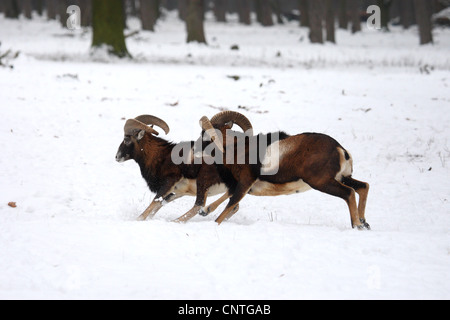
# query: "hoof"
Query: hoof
{"points": [[204, 213], [141, 218], [365, 224]]}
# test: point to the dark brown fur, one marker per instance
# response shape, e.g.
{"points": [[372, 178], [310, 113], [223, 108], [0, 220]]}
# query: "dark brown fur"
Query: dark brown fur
{"points": [[168, 180], [316, 159]]}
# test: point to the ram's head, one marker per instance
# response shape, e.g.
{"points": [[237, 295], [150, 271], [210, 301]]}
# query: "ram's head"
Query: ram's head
{"points": [[222, 122], [134, 130]]}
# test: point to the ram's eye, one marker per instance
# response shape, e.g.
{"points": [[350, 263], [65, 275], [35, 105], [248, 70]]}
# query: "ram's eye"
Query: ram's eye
{"points": [[127, 141]]}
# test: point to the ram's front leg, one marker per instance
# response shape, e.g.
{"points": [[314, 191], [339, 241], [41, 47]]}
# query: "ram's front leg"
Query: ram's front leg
{"points": [[196, 209], [157, 203], [152, 208], [213, 206]]}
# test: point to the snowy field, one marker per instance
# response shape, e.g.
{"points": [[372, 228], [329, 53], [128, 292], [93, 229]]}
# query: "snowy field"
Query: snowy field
{"points": [[74, 234]]}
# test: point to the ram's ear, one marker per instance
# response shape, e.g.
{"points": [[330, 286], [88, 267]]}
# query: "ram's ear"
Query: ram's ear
{"points": [[140, 134]]}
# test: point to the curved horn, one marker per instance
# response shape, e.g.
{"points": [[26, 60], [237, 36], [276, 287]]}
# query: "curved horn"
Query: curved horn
{"points": [[232, 116], [209, 129], [152, 120], [132, 125]]}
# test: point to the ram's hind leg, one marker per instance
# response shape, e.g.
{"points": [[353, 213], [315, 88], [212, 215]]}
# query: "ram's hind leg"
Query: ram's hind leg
{"points": [[337, 189], [233, 205], [235, 209], [362, 189]]}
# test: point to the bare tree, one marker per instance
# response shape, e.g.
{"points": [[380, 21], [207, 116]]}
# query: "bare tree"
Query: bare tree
{"points": [[244, 11], [277, 9], [329, 18], [12, 9], [51, 9], [194, 21], [385, 6], [407, 13], [304, 13], [263, 12], [131, 7], [108, 25], [316, 17], [62, 11], [149, 13], [354, 9], [343, 14], [220, 8], [423, 17], [27, 8], [182, 9], [38, 5], [169, 4], [86, 12]]}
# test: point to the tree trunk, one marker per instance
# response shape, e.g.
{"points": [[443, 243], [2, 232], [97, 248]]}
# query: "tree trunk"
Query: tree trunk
{"points": [[354, 9], [107, 25], [149, 14], [385, 6], [276, 7], [182, 9], [343, 15], [423, 17], [264, 12], [244, 11], [329, 18], [169, 4], [51, 9], [194, 21], [131, 6], [62, 11], [12, 9], [316, 15], [26, 8], [304, 13], [86, 12], [407, 13], [220, 8], [124, 15], [38, 5]]}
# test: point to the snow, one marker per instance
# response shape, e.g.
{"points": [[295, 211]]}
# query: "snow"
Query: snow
{"points": [[74, 234]]}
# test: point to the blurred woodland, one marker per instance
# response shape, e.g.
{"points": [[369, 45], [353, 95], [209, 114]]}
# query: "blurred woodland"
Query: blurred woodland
{"points": [[109, 18]]}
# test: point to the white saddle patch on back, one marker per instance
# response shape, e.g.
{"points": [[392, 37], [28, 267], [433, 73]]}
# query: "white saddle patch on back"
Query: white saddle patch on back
{"points": [[273, 156]]}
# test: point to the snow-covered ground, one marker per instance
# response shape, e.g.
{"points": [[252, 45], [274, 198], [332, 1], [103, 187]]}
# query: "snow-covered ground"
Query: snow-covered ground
{"points": [[73, 233]]}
